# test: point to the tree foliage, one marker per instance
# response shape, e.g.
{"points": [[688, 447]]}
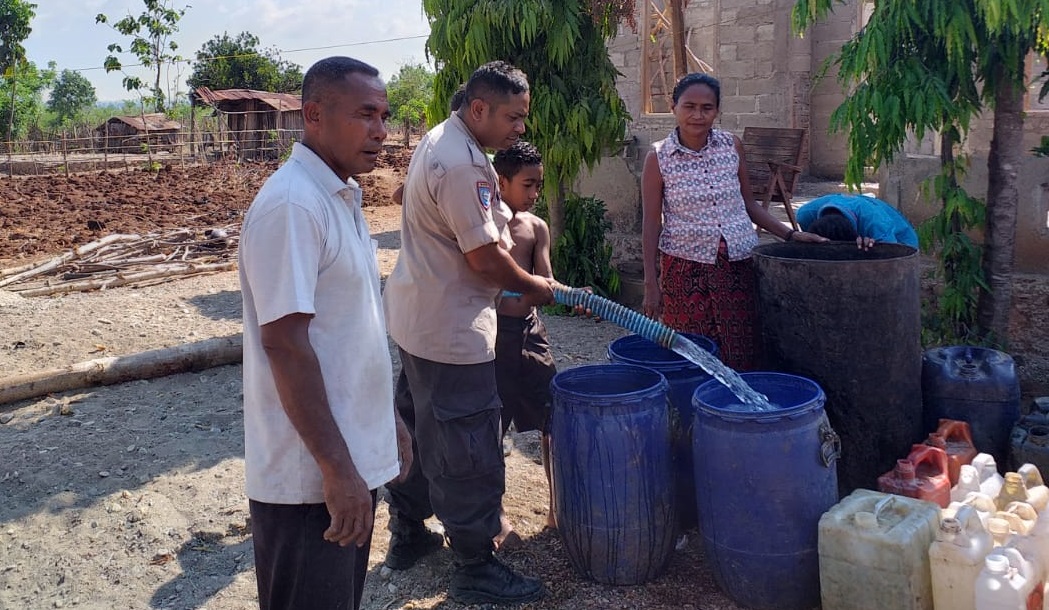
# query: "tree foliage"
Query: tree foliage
{"points": [[576, 115], [152, 45], [932, 66], [15, 16], [71, 95], [226, 62], [409, 92], [23, 94]]}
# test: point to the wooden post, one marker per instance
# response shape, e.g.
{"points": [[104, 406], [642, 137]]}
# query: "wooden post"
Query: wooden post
{"points": [[192, 128], [65, 157], [677, 19]]}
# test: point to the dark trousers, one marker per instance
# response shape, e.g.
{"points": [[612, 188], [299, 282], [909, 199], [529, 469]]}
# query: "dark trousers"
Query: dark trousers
{"points": [[296, 568], [452, 412]]}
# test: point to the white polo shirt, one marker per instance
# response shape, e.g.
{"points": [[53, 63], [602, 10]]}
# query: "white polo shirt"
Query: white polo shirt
{"points": [[305, 248]]}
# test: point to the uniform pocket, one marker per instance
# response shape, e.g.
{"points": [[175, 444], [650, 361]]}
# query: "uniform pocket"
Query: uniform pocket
{"points": [[467, 409]]}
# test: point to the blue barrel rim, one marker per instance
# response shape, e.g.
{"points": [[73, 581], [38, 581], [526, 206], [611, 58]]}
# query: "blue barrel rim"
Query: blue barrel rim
{"points": [[815, 403], [597, 371], [673, 363], [951, 352]]}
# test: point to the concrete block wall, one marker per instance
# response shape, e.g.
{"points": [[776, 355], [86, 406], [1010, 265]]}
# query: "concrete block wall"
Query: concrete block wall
{"points": [[900, 185], [829, 151], [766, 77]]}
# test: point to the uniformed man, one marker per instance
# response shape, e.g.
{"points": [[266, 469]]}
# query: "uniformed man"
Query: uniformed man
{"points": [[440, 308]]}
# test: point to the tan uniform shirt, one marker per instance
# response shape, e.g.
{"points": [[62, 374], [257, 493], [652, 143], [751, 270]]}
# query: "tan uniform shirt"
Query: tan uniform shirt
{"points": [[437, 308]]}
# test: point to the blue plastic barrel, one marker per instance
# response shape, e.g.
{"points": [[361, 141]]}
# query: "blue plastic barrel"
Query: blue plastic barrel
{"points": [[977, 385], [611, 469], [684, 376], [763, 479]]}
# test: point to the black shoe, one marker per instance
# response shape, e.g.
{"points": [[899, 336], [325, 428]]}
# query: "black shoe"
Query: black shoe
{"points": [[493, 582], [410, 545]]}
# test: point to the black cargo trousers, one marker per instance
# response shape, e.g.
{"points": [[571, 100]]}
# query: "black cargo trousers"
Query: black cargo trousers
{"points": [[453, 413]]}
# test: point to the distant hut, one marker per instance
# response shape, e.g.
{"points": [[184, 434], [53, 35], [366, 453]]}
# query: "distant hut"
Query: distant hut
{"points": [[128, 133], [262, 124]]}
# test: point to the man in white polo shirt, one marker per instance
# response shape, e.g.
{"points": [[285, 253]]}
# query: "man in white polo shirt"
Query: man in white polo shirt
{"points": [[321, 433]]}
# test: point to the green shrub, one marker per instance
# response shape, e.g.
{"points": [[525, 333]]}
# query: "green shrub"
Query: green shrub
{"points": [[581, 257]]}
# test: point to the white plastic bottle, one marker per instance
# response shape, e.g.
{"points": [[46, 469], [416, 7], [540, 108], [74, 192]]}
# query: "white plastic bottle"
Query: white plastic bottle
{"points": [[1008, 582], [1037, 492], [968, 481], [956, 558], [999, 530], [1013, 490], [983, 504], [990, 480], [1021, 517]]}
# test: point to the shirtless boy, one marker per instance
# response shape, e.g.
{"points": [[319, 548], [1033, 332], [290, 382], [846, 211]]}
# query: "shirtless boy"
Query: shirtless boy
{"points": [[524, 364]]}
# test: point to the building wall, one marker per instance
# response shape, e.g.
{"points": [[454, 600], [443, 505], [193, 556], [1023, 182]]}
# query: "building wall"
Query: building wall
{"points": [[766, 81]]}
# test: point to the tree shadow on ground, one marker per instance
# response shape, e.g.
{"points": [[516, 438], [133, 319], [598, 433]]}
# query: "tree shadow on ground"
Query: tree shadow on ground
{"points": [[114, 468], [225, 305]]}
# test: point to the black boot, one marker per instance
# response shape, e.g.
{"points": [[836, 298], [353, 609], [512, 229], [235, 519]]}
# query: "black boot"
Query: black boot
{"points": [[410, 542], [488, 580]]}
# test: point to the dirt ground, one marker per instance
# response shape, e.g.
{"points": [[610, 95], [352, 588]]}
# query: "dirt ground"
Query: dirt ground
{"points": [[131, 496]]}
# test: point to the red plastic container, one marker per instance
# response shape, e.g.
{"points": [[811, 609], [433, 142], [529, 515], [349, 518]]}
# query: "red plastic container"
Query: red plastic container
{"points": [[954, 437], [921, 475]]}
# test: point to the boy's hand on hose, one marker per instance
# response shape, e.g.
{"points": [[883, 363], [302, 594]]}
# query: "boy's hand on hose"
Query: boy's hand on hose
{"points": [[579, 310]]}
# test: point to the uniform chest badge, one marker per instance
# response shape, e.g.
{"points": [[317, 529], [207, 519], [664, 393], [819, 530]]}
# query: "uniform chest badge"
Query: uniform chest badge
{"points": [[484, 194]]}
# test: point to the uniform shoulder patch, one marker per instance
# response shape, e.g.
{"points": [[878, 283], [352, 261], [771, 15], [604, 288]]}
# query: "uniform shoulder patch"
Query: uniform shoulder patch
{"points": [[484, 194]]}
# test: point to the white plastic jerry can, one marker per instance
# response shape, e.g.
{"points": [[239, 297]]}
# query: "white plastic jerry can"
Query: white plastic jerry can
{"points": [[990, 480], [874, 552], [968, 481], [956, 558], [983, 504], [1021, 517], [1037, 492], [1008, 581]]}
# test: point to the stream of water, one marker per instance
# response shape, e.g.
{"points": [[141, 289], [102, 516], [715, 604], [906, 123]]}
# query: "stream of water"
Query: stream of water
{"points": [[751, 399], [654, 331]]}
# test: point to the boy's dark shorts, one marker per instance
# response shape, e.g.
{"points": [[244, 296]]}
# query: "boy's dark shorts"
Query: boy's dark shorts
{"points": [[524, 367]]}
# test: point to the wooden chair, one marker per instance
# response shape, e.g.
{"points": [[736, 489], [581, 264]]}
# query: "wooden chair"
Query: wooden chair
{"points": [[773, 164]]}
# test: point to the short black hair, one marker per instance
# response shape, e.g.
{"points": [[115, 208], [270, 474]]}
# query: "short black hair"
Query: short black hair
{"points": [[329, 71], [510, 161], [495, 79], [698, 78], [458, 98], [834, 226]]}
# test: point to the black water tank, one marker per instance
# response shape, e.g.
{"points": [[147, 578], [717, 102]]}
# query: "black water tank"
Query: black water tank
{"points": [[851, 321], [978, 385]]}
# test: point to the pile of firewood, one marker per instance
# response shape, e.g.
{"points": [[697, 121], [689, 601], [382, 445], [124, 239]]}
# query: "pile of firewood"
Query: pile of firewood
{"points": [[127, 260]]}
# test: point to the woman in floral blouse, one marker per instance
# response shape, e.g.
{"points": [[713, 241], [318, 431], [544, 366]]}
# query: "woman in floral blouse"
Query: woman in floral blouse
{"points": [[698, 227]]}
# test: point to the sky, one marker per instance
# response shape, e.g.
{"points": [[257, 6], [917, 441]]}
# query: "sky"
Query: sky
{"points": [[384, 33]]}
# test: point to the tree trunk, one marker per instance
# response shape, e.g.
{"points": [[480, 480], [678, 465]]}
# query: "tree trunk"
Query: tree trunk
{"points": [[557, 215], [1003, 196], [11, 129]]}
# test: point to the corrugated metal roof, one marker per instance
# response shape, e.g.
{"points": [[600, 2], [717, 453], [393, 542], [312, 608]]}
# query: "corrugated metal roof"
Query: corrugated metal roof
{"points": [[278, 101], [153, 122]]}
